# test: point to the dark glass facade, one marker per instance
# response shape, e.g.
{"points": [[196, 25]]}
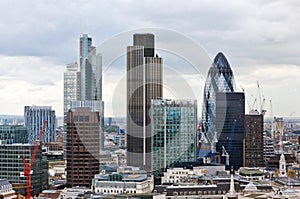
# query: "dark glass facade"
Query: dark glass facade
{"points": [[144, 82], [10, 134], [230, 119]]}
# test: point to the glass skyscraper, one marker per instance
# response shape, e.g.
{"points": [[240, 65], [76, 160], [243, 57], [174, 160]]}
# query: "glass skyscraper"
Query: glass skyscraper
{"points": [[173, 139], [90, 63], [219, 79]]}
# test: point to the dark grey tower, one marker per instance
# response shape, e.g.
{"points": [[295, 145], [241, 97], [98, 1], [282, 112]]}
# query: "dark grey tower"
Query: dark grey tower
{"points": [[144, 82]]}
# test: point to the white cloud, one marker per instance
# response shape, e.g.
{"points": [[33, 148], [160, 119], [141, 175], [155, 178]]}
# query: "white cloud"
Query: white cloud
{"points": [[39, 38], [30, 80]]}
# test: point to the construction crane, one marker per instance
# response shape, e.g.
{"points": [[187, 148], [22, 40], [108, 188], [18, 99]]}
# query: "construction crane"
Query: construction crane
{"points": [[261, 103], [28, 166], [252, 107], [225, 154]]}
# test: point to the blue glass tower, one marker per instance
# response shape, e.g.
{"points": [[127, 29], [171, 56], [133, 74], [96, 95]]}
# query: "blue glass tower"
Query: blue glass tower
{"points": [[219, 79]]}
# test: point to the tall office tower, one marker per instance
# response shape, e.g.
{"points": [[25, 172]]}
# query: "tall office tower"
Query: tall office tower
{"points": [[87, 85], [174, 126], [230, 122], [12, 167], [254, 146], [70, 85], [219, 79], [90, 63], [144, 82], [83, 128], [34, 119], [10, 134]]}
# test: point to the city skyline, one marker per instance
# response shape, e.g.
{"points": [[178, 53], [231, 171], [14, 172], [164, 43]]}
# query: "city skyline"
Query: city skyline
{"points": [[260, 41]]}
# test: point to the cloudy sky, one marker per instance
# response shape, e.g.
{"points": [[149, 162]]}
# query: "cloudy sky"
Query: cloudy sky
{"points": [[261, 40]]}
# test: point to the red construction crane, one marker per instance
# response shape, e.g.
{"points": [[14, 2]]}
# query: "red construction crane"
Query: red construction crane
{"points": [[28, 166]]}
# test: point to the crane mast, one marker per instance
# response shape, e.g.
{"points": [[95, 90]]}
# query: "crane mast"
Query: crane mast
{"points": [[28, 166]]}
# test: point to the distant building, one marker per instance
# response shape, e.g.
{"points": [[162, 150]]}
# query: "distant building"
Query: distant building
{"points": [[144, 82], [70, 85], [128, 180], [10, 134], [230, 125], [83, 136], [174, 126], [254, 144], [6, 190], [269, 152], [12, 167], [73, 193], [34, 119]]}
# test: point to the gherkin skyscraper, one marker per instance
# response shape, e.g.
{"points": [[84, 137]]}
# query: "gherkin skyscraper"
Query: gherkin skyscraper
{"points": [[219, 79]]}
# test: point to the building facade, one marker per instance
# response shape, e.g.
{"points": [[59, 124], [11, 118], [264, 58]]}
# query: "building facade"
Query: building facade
{"points": [[90, 63], [6, 190], [128, 180], [219, 79], [10, 134], [254, 143], [144, 82], [34, 119], [70, 85], [230, 125], [173, 139], [83, 140], [12, 167], [85, 83]]}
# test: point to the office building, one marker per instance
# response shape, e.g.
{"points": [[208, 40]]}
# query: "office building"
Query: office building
{"points": [[173, 139], [34, 119], [230, 127], [70, 85], [144, 82], [219, 79], [130, 180], [254, 148], [12, 167], [84, 81], [90, 63], [83, 127], [10, 134]]}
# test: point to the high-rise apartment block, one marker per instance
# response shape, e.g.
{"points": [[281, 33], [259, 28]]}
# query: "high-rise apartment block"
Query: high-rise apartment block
{"points": [[254, 143], [34, 119], [174, 125], [83, 127], [144, 82]]}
